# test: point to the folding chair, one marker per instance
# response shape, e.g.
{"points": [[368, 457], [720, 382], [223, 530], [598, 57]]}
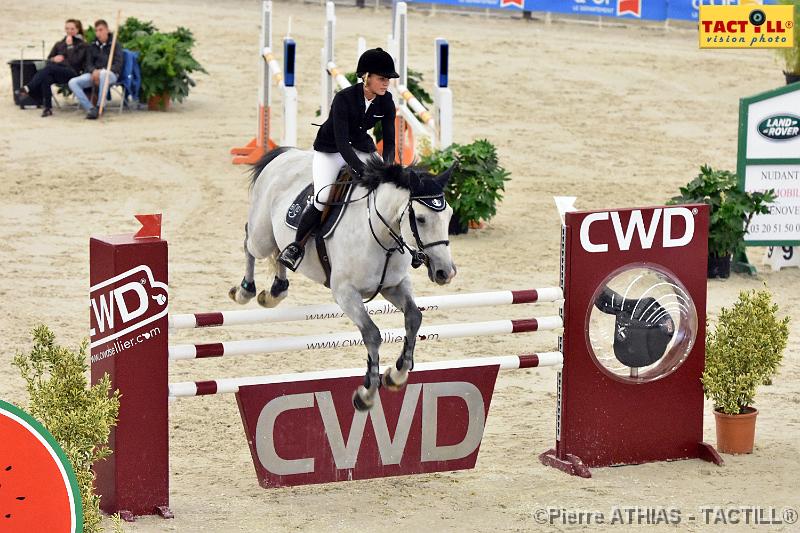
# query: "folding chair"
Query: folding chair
{"points": [[130, 79]]}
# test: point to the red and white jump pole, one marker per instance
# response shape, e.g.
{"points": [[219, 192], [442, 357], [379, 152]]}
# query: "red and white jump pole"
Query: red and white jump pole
{"points": [[376, 307], [346, 340], [231, 385]]}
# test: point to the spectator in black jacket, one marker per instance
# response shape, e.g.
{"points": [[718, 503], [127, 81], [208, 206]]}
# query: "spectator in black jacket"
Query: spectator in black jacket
{"points": [[65, 61], [344, 138], [95, 70]]}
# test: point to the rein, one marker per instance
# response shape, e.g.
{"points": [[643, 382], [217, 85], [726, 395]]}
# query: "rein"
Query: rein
{"points": [[418, 256]]}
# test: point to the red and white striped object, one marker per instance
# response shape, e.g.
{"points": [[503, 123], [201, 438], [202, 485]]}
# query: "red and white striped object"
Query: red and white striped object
{"points": [[231, 385], [379, 307], [346, 340]]}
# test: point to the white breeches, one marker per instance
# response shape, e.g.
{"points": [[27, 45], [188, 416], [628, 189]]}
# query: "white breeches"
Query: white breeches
{"points": [[324, 168]]}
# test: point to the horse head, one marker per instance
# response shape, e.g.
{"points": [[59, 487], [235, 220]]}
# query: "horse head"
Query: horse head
{"points": [[423, 214], [428, 222]]}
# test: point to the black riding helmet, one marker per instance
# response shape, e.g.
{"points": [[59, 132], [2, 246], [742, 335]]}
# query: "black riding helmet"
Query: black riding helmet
{"points": [[376, 61]]}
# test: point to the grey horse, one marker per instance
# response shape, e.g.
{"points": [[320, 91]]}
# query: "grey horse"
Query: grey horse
{"points": [[391, 206]]}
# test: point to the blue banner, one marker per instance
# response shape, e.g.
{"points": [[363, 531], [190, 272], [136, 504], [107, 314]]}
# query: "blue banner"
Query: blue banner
{"points": [[629, 9], [689, 9], [518, 5]]}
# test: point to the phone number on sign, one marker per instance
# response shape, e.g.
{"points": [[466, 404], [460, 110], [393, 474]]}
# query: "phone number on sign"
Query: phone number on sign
{"points": [[774, 228]]}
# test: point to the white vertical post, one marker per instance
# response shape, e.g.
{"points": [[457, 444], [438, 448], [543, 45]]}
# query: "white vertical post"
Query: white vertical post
{"points": [[265, 96], [401, 42], [442, 94], [289, 116], [323, 86], [361, 47], [289, 93], [327, 57]]}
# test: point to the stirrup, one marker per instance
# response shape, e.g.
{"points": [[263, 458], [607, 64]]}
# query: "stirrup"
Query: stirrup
{"points": [[292, 256]]}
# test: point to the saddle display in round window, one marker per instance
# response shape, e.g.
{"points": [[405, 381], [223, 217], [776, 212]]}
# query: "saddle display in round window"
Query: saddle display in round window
{"points": [[642, 324]]}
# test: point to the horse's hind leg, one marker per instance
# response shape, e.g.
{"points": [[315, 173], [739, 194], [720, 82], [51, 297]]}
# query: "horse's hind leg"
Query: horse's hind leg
{"points": [[401, 296], [246, 290], [349, 299], [279, 289]]}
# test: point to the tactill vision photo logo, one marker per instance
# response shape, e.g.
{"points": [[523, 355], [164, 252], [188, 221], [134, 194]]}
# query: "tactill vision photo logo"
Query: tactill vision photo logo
{"points": [[125, 303], [746, 26], [782, 127]]}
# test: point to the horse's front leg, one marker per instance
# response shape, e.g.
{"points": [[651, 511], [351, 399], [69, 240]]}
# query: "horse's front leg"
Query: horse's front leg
{"points": [[402, 297], [349, 299]]}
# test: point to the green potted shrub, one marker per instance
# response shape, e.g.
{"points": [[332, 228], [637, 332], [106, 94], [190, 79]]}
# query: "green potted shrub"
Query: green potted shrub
{"points": [[791, 56], [742, 352], [166, 62], [477, 182], [731, 212]]}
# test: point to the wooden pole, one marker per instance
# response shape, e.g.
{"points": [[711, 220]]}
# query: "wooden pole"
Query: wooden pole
{"points": [[108, 65]]}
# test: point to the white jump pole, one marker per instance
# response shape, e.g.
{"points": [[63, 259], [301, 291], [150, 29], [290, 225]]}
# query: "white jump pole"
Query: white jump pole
{"points": [[376, 307], [231, 385], [417, 107], [350, 339], [336, 74]]}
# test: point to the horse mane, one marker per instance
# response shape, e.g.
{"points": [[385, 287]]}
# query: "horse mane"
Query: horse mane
{"points": [[377, 172], [265, 160]]}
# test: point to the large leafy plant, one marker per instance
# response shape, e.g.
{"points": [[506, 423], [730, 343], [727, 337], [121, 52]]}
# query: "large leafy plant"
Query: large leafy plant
{"points": [[165, 59], [791, 56], [743, 351], [133, 28], [731, 208], [478, 181]]}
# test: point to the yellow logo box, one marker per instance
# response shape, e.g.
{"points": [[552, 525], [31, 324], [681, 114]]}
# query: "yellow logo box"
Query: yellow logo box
{"points": [[746, 26]]}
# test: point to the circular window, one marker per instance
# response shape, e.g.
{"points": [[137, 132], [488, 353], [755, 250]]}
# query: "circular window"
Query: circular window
{"points": [[642, 323]]}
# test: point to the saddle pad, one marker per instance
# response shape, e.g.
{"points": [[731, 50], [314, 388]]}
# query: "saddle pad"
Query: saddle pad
{"points": [[334, 215]]}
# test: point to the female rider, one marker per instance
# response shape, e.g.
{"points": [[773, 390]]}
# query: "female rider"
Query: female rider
{"points": [[343, 138]]}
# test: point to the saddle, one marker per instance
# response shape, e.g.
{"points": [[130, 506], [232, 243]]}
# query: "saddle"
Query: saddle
{"points": [[338, 200]]}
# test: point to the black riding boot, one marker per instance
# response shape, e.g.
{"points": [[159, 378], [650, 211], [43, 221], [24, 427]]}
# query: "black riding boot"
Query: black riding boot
{"points": [[292, 255]]}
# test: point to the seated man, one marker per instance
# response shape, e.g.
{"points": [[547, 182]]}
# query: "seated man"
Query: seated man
{"points": [[95, 72]]}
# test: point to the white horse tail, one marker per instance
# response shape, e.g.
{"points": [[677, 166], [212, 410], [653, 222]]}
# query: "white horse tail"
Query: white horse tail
{"points": [[265, 160]]}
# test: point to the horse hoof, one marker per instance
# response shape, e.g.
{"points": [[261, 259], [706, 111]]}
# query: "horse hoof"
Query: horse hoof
{"points": [[361, 399], [239, 295], [265, 299], [393, 379]]}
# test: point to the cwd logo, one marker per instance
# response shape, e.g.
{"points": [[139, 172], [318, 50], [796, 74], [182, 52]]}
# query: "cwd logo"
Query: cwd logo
{"points": [[637, 231], [780, 127], [125, 303], [308, 432]]}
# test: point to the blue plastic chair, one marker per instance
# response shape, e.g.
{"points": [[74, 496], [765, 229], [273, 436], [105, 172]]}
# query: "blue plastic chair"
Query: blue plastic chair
{"points": [[130, 79]]}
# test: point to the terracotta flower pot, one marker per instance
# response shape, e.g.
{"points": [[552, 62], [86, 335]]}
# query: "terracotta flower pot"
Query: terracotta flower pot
{"points": [[158, 102], [736, 433]]}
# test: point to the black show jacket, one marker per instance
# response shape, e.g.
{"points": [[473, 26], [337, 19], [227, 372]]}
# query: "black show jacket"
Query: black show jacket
{"points": [[348, 124]]}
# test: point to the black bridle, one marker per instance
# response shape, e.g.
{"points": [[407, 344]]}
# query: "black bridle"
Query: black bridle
{"points": [[418, 255]]}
